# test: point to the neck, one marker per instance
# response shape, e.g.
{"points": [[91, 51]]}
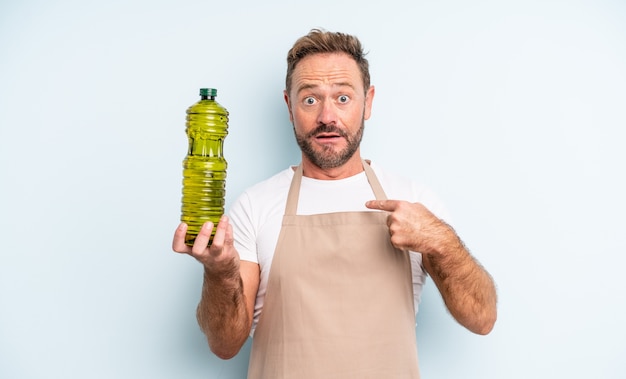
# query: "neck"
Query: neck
{"points": [[348, 169]]}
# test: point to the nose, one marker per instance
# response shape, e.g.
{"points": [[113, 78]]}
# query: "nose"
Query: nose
{"points": [[327, 113]]}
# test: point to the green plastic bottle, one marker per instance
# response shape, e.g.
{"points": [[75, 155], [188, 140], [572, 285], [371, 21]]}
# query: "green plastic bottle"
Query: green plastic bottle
{"points": [[204, 168]]}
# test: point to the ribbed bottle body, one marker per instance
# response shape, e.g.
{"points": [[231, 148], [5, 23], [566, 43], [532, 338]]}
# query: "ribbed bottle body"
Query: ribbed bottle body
{"points": [[204, 167]]}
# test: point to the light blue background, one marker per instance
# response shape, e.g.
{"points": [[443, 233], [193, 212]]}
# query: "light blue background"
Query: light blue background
{"points": [[513, 111]]}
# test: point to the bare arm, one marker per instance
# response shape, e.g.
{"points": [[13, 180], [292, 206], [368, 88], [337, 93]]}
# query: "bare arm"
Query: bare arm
{"points": [[229, 290], [467, 289]]}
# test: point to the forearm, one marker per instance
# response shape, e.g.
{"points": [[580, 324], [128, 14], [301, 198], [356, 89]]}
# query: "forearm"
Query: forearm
{"points": [[222, 313], [467, 289]]}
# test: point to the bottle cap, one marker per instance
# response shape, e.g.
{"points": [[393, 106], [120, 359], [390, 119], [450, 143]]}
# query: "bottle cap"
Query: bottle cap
{"points": [[208, 92]]}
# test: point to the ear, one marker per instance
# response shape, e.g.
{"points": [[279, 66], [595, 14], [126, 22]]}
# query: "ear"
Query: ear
{"points": [[286, 96], [369, 98]]}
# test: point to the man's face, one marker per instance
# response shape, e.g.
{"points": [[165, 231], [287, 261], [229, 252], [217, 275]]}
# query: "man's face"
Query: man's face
{"points": [[327, 107]]}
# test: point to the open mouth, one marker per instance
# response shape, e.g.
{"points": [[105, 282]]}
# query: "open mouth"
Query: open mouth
{"points": [[327, 136]]}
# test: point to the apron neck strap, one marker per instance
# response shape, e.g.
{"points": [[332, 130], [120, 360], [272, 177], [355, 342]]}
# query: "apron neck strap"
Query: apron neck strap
{"points": [[294, 189]]}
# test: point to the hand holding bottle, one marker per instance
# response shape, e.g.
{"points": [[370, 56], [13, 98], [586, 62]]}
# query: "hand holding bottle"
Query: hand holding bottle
{"points": [[219, 258]]}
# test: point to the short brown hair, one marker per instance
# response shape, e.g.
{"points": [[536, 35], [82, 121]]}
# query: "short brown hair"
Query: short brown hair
{"points": [[320, 41]]}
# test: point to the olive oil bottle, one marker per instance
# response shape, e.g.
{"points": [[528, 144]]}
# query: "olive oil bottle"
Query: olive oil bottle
{"points": [[204, 167]]}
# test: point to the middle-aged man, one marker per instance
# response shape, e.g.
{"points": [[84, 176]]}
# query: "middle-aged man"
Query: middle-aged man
{"points": [[324, 263]]}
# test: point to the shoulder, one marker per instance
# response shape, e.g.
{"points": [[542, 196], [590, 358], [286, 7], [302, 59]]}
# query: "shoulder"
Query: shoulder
{"points": [[263, 197], [391, 178], [257, 212], [271, 186], [399, 186]]}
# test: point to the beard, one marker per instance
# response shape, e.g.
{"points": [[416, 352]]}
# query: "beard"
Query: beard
{"points": [[328, 157]]}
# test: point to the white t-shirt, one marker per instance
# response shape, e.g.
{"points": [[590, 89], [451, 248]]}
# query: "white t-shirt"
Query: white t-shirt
{"points": [[257, 215]]}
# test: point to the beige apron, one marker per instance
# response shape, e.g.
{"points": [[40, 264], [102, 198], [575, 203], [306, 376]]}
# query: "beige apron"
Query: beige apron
{"points": [[339, 301]]}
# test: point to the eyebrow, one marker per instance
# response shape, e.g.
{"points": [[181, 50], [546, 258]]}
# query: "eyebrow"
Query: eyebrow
{"points": [[312, 86]]}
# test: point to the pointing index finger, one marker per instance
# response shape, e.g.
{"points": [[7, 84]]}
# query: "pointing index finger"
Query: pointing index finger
{"points": [[384, 205]]}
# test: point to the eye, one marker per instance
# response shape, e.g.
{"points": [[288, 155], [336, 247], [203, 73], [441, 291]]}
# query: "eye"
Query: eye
{"points": [[343, 99], [309, 100]]}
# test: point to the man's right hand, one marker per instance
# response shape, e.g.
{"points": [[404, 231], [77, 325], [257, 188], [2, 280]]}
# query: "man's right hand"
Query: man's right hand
{"points": [[226, 307], [219, 258]]}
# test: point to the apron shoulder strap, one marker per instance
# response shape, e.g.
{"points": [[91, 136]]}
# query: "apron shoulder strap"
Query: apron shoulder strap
{"points": [[373, 180], [294, 190]]}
